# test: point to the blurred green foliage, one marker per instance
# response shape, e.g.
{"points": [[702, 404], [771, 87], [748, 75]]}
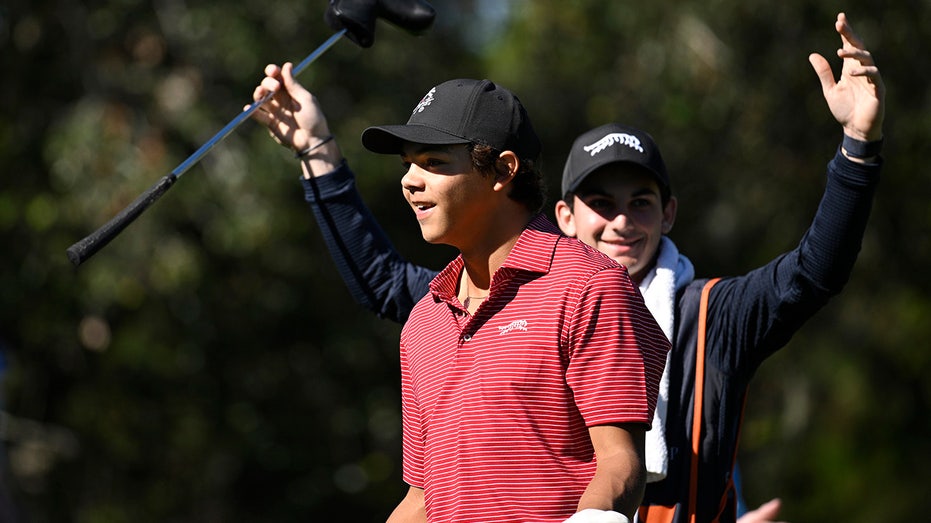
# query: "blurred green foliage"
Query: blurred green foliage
{"points": [[208, 365]]}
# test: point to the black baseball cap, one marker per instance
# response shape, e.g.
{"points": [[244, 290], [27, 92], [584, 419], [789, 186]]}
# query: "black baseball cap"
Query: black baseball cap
{"points": [[458, 112], [613, 143]]}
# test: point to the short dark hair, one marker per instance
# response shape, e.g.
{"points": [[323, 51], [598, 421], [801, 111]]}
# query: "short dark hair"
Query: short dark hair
{"points": [[528, 186]]}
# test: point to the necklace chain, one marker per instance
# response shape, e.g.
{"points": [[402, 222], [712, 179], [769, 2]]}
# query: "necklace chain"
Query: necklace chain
{"points": [[468, 300]]}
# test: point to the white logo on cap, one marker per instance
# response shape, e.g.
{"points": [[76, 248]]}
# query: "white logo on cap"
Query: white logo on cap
{"points": [[610, 139], [424, 102]]}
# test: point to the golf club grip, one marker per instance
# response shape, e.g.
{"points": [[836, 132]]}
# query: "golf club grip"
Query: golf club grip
{"points": [[84, 249]]}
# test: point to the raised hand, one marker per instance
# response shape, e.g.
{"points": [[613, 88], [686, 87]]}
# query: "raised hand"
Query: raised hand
{"points": [[292, 115], [857, 99], [765, 513]]}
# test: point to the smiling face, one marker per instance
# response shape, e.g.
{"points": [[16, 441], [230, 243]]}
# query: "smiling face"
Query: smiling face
{"points": [[451, 200], [619, 211]]}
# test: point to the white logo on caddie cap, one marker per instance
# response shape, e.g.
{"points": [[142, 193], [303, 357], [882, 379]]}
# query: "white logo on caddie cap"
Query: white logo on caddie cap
{"points": [[610, 139], [425, 101]]}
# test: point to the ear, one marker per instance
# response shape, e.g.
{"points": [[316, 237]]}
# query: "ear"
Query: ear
{"points": [[669, 214], [506, 169], [565, 219]]}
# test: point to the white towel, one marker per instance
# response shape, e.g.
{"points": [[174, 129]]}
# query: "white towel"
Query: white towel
{"points": [[672, 272]]}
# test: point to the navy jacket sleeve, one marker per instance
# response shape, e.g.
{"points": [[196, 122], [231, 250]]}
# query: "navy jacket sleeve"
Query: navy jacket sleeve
{"points": [[753, 315], [375, 273]]}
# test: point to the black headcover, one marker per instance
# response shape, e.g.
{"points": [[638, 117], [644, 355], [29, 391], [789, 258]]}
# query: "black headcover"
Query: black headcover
{"points": [[358, 17]]}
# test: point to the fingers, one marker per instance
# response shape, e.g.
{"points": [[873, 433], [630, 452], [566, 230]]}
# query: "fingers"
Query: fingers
{"points": [[259, 115], [766, 513], [861, 55], [265, 118], [823, 70], [276, 76], [272, 70], [852, 45], [770, 509], [862, 65], [270, 85], [277, 110], [847, 34], [266, 86], [259, 93], [854, 48], [287, 75]]}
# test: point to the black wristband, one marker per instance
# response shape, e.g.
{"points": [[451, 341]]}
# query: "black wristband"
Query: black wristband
{"points": [[857, 149], [307, 151]]}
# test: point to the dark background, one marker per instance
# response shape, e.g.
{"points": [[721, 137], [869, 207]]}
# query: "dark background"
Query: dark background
{"points": [[209, 365]]}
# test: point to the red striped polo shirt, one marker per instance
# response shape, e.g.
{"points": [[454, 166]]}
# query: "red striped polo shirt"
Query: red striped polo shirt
{"points": [[496, 406]]}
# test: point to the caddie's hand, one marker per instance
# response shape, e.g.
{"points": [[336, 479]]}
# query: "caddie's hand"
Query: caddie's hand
{"points": [[593, 515], [765, 513], [857, 100], [292, 115]]}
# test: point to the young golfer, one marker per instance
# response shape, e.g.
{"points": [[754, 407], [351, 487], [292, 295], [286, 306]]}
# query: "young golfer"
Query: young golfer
{"points": [[530, 368]]}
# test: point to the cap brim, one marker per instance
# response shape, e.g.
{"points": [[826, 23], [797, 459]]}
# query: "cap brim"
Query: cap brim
{"points": [[581, 177], [389, 139]]}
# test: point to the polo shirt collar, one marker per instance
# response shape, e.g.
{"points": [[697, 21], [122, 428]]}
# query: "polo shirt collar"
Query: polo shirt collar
{"points": [[533, 252]]}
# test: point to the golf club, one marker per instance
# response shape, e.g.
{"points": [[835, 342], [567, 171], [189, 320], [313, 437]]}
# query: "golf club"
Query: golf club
{"points": [[354, 18], [86, 248]]}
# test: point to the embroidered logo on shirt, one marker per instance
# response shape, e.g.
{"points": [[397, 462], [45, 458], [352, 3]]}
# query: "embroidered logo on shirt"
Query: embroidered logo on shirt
{"points": [[518, 325], [425, 101], [610, 139]]}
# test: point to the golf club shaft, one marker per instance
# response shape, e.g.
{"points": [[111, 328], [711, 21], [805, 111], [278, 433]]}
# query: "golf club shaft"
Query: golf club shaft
{"points": [[241, 117], [87, 247]]}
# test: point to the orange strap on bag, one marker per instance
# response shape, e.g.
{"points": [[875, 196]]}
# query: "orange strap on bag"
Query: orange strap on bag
{"points": [[661, 513], [699, 396], [656, 514]]}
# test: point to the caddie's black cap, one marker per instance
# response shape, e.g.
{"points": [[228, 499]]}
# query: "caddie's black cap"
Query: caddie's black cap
{"points": [[608, 144], [462, 111]]}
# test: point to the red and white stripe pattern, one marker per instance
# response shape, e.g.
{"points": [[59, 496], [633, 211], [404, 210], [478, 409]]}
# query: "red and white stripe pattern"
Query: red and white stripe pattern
{"points": [[496, 405]]}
